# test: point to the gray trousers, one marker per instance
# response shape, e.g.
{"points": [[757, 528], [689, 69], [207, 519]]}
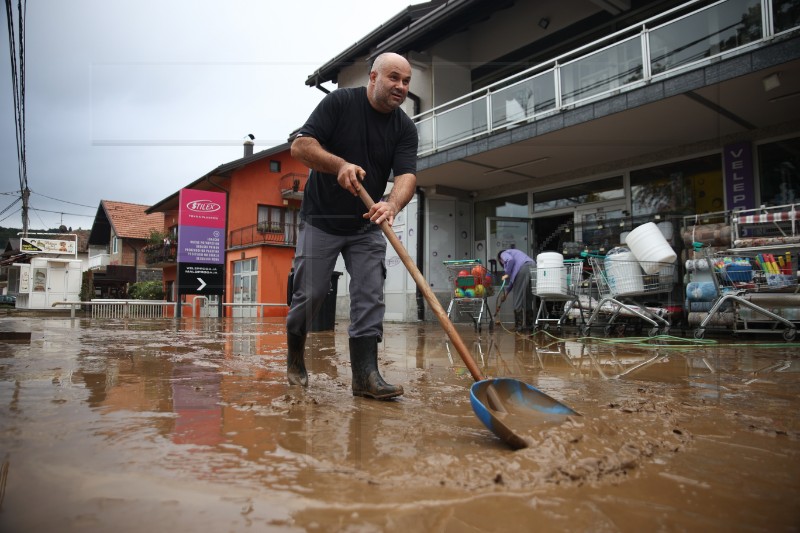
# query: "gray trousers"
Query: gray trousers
{"points": [[364, 257], [521, 291]]}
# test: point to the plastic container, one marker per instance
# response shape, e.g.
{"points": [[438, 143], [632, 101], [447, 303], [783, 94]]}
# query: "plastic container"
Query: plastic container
{"points": [[623, 273], [650, 247], [551, 276]]}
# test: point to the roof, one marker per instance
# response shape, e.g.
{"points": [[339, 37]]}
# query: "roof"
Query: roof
{"points": [[204, 183], [129, 221], [367, 45]]}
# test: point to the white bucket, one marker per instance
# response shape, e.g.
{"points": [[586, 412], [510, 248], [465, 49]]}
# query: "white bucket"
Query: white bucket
{"points": [[650, 247], [551, 276], [665, 227], [624, 274]]}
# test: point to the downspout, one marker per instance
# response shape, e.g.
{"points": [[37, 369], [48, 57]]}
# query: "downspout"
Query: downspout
{"points": [[420, 248], [135, 261]]}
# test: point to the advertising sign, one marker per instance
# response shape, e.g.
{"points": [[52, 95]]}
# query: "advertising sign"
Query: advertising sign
{"points": [[201, 242], [34, 245]]}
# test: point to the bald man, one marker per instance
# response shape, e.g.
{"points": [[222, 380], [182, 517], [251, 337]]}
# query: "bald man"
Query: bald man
{"points": [[356, 137]]}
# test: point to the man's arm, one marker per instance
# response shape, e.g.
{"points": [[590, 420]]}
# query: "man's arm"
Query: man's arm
{"points": [[308, 151]]}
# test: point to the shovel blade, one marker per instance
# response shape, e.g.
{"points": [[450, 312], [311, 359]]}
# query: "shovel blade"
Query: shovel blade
{"points": [[525, 406]]}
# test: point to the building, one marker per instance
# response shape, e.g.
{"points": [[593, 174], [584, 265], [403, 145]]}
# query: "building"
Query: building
{"points": [[263, 192], [120, 236], [562, 125]]}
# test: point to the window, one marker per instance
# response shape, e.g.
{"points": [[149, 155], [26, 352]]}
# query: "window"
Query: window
{"points": [[575, 195], [271, 219], [274, 166], [682, 188], [779, 172], [114, 245]]}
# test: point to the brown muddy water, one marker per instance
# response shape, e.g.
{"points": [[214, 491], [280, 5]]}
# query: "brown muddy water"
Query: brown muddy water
{"points": [[189, 425]]}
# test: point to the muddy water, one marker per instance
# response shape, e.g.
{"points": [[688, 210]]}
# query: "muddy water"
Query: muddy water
{"points": [[189, 426]]}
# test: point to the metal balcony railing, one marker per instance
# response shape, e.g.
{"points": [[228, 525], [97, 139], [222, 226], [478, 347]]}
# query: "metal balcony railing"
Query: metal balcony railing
{"points": [[264, 233], [664, 45]]}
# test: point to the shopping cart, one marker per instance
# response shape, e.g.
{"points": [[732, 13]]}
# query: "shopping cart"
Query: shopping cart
{"points": [[471, 285], [620, 286], [746, 278], [556, 288]]}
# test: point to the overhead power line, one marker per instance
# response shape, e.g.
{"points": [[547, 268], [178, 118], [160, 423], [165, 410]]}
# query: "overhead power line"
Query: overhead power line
{"points": [[18, 86], [60, 200]]}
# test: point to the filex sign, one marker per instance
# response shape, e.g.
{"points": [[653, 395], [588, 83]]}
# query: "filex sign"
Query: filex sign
{"points": [[201, 242]]}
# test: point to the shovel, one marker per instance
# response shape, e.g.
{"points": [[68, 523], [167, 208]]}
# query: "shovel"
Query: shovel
{"points": [[501, 404]]}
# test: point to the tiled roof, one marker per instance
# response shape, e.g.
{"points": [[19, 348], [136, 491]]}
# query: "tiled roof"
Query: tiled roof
{"points": [[130, 221]]}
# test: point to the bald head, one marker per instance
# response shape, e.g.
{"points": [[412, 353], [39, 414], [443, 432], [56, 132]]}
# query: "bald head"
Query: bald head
{"points": [[389, 80]]}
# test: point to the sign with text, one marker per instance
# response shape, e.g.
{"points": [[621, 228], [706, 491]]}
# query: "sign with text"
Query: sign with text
{"points": [[738, 176], [201, 242], [35, 245], [200, 279]]}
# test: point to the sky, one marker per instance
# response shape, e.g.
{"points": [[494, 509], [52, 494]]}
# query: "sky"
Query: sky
{"points": [[130, 100]]}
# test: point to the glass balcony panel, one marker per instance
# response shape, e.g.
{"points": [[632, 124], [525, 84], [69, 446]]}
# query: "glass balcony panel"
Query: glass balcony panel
{"points": [[785, 14], [602, 71], [461, 123], [523, 99], [704, 34], [425, 134]]}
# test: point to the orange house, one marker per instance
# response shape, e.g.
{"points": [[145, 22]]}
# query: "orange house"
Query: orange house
{"points": [[263, 191]]}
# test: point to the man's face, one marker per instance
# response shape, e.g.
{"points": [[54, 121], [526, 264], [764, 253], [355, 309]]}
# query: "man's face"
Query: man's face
{"points": [[390, 85]]}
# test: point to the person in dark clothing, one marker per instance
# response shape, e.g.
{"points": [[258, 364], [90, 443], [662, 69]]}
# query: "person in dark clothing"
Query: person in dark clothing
{"points": [[356, 137], [517, 266]]}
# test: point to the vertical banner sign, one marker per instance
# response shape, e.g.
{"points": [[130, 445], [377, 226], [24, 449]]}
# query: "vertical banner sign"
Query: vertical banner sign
{"points": [[201, 242], [737, 163]]}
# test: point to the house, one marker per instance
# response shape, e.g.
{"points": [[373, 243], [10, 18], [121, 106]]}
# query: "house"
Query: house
{"points": [[120, 235], [560, 126], [263, 191]]}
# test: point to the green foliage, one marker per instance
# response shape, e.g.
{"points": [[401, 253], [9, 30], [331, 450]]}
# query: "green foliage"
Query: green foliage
{"points": [[146, 290], [156, 237]]}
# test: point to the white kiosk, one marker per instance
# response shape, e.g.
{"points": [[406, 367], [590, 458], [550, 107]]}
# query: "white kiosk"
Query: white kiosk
{"points": [[49, 277]]}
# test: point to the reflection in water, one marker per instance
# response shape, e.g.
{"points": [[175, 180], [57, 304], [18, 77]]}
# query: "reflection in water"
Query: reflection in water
{"points": [[673, 437]]}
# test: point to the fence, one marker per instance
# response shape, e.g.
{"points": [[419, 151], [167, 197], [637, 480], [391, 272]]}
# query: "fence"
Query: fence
{"points": [[122, 308]]}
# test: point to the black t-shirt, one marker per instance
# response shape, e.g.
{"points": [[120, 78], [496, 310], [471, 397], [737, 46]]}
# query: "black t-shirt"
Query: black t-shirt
{"points": [[346, 125]]}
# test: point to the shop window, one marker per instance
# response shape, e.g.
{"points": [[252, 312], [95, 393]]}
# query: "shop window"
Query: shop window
{"points": [[779, 172], [686, 187], [514, 206], [581, 194]]}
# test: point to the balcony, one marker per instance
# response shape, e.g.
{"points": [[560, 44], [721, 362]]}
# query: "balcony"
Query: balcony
{"points": [[99, 261], [263, 234], [684, 38], [158, 255], [292, 185]]}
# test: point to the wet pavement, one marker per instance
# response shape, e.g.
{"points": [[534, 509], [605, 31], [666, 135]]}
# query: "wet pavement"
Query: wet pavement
{"points": [[189, 425]]}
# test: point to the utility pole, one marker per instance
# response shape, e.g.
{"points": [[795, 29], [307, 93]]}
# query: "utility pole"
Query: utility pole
{"points": [[26, 193]]}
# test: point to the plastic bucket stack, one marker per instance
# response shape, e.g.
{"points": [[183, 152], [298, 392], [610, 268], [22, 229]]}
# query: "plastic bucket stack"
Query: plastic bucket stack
{"points": [[550, 274], [648, 244], [623, 273]]}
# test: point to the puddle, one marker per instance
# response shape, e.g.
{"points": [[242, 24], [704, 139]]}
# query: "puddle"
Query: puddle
{"points": [[158, 425]]}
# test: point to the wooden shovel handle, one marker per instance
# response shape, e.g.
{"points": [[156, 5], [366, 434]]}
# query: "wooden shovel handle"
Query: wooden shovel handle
{"points": [[430, 297]]}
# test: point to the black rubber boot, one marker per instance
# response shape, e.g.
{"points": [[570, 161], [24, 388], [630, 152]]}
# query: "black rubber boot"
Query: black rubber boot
{"points": [[517, 320], [529, 320], [367, 380], [295, 363]]}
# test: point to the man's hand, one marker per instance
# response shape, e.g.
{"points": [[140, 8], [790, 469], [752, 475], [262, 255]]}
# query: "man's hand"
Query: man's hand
{"points": [[349, 177], [382, 211]]}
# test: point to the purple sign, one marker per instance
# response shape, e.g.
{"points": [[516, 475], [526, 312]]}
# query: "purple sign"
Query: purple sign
{"points": [[737, 161], [197, 244]]}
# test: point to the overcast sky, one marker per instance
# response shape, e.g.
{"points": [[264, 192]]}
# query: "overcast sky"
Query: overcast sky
{"points": [[130, 100]]}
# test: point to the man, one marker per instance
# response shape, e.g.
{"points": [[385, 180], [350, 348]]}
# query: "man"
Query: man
{"points": [[354, 138], [517, 266]]}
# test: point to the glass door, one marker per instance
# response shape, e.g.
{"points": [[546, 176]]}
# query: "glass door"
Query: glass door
{"points": [[503, 233]]}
